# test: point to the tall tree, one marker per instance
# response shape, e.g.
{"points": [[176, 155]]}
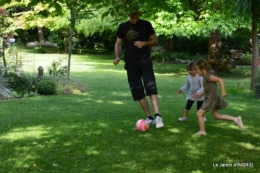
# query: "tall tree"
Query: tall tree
{"points": [[250, 11], [179, 17], [40, 34], [214, 53], [255, 11], [5, 21], [75, 7]]}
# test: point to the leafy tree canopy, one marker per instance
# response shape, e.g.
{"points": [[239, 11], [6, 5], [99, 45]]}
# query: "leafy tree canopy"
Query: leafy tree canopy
{"points": [[171, 17]]}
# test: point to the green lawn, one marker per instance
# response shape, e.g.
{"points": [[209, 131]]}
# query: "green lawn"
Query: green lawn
{"points": [[95, 132]]}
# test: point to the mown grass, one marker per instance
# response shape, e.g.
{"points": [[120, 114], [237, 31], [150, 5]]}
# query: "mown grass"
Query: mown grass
{"points": [[95, 132]]}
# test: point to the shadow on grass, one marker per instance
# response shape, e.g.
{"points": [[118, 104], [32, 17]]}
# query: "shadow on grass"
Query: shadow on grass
{"points": [[73, 134], [95, 132]]}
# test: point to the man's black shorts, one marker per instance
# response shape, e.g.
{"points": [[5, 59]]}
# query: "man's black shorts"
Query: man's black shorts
{"points": [[141, 77]]}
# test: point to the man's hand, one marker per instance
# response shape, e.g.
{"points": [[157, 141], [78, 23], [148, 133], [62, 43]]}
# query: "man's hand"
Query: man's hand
{"points": [[139, 44], [116, 61]]}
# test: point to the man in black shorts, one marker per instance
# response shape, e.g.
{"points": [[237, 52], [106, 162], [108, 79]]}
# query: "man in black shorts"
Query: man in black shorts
{"points": [[138, 35]]}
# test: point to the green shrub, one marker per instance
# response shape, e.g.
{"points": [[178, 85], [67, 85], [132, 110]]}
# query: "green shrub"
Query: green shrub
{"points": [[22, 83], [39, 50], [158, 54], [65, 87], [46, 87], [57, 69], [46, 49], [247, 58]]}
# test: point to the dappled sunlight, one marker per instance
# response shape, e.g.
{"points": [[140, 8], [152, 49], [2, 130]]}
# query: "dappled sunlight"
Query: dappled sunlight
{"points": [[106, 100], [92, 151], [228, 125], [86, 68], [99, 101], [171, 74], [24, 160], [174, 130], [238, 106], [123, 94], [32, 61], [222, 156], [143, 134], [96, 132], [130, 165], [250, 146], [90, 133], [192, 150], [104, 125], [124, 152], [82, 63], [22, 133], [93, 68], [254, 135], [113, 70], [197, 171], [118, 102]]}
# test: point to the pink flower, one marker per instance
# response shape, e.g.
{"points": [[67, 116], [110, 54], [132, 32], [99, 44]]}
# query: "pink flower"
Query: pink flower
{"points": [[2, 11]]}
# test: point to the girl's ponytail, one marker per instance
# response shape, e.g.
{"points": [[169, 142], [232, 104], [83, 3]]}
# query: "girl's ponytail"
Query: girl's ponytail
{"points": [[203, 64]]}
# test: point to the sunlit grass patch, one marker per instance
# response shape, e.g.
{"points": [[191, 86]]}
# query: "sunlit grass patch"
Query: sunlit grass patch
{"points": [[95, 131], [22, 133]]}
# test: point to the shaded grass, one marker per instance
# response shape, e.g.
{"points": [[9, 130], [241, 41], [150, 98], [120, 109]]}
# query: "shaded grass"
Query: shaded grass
{"points": [[95, 131]]}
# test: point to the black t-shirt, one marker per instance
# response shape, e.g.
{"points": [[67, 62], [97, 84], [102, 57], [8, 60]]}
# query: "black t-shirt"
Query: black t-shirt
{"points": [[141, 31]]}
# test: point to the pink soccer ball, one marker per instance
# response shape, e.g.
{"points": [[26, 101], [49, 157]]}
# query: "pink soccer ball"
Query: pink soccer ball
{"points": [[141, 125]]}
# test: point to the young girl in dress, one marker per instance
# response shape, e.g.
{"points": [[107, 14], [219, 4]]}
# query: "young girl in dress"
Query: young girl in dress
{"points": [[194, 84], [213, 102]]}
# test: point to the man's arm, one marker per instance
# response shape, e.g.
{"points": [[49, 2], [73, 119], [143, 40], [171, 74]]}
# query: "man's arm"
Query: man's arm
{"points": [[118, 49], [152, 42]]}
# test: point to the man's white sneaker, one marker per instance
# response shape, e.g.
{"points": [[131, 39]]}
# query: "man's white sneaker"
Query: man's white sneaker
{"points": [[150, 121], [159, 122]]}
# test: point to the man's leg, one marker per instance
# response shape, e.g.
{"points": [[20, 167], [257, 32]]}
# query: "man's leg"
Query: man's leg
{"points": [[151, 89], [144, 104], [155, 102], [137, 90]]}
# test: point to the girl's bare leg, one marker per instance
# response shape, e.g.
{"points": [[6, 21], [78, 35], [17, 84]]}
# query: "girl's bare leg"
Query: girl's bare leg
{"points": [[222, 117], [237, 120], [200, 115]]}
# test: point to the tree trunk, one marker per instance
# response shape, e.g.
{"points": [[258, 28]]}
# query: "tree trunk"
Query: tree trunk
{"points": [[214, 52], [169, 45], [255, 53], [4, 60], [72, 28], [40, 34]]}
